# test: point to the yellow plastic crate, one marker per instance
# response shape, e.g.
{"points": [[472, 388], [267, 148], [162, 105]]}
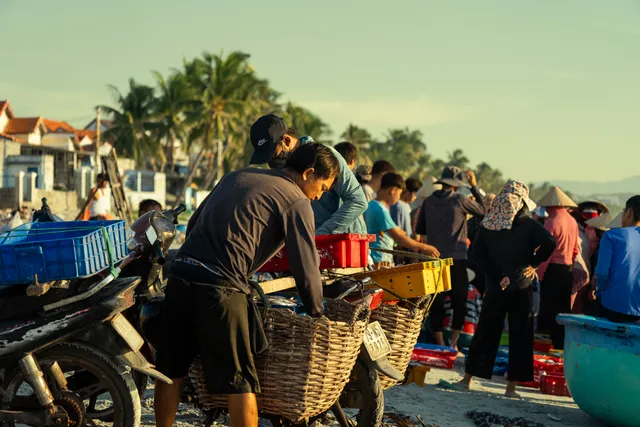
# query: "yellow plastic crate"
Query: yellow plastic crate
{"points": [[413, 280]]}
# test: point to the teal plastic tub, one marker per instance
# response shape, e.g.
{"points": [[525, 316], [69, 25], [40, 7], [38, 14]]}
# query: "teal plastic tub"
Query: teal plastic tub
{"points": [[602, 368]]}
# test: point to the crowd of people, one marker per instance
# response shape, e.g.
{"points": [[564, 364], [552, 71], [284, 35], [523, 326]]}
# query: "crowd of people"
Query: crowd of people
{"points": [[511, 246]]}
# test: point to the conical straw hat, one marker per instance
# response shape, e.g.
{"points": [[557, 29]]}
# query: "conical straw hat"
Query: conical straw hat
{"points": [[557, 197], [601, 222], [617, 221]]}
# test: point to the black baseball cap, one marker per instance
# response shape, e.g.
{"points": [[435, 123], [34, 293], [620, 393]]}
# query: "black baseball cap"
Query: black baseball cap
{"points": [[266, 134]]}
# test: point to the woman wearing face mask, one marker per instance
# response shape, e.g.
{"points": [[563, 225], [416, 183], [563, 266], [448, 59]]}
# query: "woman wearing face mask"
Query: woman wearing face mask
{"points": [[507, 249]]}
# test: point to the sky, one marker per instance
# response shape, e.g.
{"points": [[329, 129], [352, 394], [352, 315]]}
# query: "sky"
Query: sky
{"points": [[543, 90]]}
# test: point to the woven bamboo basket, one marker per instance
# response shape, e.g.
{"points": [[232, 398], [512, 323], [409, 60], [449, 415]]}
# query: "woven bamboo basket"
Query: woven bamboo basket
{"points": [[401, 323], [307, 363]]}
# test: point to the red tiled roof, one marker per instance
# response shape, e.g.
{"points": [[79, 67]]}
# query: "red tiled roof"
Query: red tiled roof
{"points": [[23, 125], [81, 133], [4, 105], [57, 127]]}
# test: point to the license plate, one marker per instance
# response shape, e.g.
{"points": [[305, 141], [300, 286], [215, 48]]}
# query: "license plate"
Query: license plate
{"points": [[127, 332], [375, 341]]}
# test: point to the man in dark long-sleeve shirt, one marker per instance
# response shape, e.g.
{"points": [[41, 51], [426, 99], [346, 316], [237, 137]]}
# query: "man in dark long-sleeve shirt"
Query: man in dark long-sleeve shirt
{"points": [[443, 220], [244, 222]]}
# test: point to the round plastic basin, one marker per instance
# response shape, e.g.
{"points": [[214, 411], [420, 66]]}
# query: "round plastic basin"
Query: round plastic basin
{"points": [[602, 368]]}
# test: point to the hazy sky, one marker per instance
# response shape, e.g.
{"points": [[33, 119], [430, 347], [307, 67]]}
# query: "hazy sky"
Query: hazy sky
{"points": [[542, 89]]}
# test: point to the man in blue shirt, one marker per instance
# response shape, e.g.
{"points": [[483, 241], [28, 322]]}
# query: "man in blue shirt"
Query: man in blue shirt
{"points": [[379, 222], [401, 211], [339, 210], [618, 269]]}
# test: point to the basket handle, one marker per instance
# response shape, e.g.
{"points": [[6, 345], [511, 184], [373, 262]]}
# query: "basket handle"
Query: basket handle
{"points": [[357, 311]]}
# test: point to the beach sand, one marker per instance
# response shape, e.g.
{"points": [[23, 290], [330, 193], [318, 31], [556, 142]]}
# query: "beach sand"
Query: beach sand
{"points": [[446, 408]]}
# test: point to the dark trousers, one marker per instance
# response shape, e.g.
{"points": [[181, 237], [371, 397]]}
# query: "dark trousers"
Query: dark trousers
{"points": [[555, 298], [518, 304], [458, 295]]}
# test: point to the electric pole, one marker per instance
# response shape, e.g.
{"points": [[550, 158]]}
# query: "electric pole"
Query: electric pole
{"points": [[98, 138]]}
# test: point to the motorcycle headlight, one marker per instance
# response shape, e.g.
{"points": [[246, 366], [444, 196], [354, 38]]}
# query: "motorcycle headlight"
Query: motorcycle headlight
{"points": [[132, 244]]}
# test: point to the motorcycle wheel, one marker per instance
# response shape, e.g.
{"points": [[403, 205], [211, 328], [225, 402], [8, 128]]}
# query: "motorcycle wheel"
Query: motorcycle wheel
{"points": [[363, 393], [90, 375]]}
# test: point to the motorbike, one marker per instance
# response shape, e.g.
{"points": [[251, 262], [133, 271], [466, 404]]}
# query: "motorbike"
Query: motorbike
{"points": [[58, 360], [67, 350], [149, 240], [363, 392]]}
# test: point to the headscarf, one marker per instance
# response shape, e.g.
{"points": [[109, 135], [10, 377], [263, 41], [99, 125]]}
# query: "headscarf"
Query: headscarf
{"points": [[506, 206]]}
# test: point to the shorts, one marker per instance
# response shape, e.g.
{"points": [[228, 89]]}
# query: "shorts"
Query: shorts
{"points": [[213, 321]]}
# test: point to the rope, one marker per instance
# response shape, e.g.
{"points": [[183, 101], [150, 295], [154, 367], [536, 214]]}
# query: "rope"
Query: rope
{"points": [[487, 419]]}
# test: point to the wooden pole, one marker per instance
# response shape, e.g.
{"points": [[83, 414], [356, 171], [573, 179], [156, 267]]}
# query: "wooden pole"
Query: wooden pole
{"points": [[99, 116]]}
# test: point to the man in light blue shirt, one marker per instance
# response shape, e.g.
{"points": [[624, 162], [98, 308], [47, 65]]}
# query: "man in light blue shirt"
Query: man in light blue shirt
{"points": [[618, 269], [379, 222], [338, 211]]}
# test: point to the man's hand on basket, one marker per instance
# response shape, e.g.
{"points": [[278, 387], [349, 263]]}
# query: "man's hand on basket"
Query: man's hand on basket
{"points": [[429, 250]]}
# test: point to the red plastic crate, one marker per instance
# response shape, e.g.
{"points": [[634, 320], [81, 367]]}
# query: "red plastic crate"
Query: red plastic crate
{"points": [[436, 356], [335, 251], [542, 346], [554, 383], [544, 364]]}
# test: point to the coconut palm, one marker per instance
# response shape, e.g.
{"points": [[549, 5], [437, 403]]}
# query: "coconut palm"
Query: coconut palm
{"points": [[227, 92], [362, 139], [304, 122], [132, 122], [174, 98]]}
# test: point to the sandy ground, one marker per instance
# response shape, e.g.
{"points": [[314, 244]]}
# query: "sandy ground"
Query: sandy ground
{"points": [[446, 408]]}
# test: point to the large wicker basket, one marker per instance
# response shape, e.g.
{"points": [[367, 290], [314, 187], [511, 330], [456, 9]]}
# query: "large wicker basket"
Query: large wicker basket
{"points": [[307, 364], [401, 323]]}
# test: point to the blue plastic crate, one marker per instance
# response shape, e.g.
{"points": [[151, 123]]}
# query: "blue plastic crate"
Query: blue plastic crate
{"points": [[60, 250]]}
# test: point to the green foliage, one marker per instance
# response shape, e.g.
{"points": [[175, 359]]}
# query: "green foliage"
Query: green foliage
{"points": [[208, 106]]}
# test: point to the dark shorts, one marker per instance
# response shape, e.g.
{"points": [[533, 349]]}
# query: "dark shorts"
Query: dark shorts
{"points": [[212, 321]]}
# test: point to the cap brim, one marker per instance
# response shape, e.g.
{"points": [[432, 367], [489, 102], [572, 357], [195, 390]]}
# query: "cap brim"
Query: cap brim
{"points": [[260, 157], [452, 182]]}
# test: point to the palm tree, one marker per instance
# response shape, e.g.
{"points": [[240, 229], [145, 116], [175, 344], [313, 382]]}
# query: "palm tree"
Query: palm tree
{"points": [[226, 93], [304, 122], [406, 150], [457, 158], [173, 99], [361, 138], [132, 122], [489, 178]]}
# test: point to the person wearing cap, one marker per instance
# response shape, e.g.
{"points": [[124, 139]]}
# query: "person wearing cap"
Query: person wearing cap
{"points": [[443, 222], [379, 222], [243, 223], [507, 249], [338, 211], [618, 269], [556, 274]]}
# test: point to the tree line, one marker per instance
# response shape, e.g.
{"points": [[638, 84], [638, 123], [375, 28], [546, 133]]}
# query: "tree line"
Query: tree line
{"points": [[209, 104]]}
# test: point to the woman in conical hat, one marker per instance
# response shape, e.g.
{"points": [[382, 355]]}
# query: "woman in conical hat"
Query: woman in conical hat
{"points": [[557, 274], [557, 198]]}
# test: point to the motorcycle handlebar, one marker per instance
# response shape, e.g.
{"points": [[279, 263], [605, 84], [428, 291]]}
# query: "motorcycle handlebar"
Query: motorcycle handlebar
{"points": [[158, 254]]}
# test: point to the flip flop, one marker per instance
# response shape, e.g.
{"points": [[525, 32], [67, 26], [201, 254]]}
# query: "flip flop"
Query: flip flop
{"points": [[450, 386]]}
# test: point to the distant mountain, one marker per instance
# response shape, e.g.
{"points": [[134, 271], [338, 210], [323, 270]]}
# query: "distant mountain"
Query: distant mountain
{"points": [[586, 188]]}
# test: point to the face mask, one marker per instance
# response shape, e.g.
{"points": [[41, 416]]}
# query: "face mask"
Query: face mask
{"points": [[278, 162]]}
